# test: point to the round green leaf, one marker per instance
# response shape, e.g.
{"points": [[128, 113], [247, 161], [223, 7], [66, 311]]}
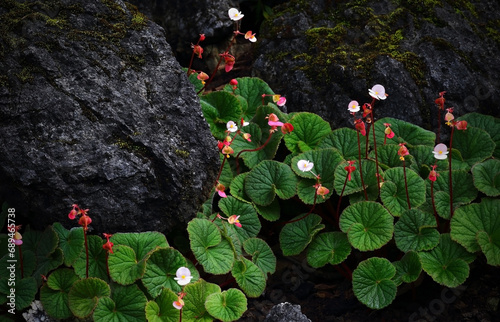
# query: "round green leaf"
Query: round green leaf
{"points": [[261, 253], [71, 242], [308, 130], [487, 177], [194, 301], [54, 294], [85, 294], [474, 144], [403, 132], [469, 220], [220, 107], [415, 230], [161, 267], [368, 225], [227, 306], [123, 265], [142, 243], [393, 195], [447, 263], [97, 260], [488, 123], [251, 89], [345, 140], [250, 223], [162, 309], [372, 282], [325, 161], [211, 251], [408, 269], [268, 179], [237, 188], [295, 236], [249, 277], [330, 247], [127, 303]]}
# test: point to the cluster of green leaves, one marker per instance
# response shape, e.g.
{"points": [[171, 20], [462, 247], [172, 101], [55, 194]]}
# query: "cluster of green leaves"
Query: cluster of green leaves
{"points": [[139, 285], [264, 186]]}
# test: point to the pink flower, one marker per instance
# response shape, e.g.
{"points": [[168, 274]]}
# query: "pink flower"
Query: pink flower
{"points": [[448, 117], [388, 131], [440, 151], [220, 190], [279, 100], [360, 126], [250, 36], [229, 61], [433, 174], [197, 49], [403, 151], [461, 125], [353, 107], [234, 220], [247, 136], [321, 190], [227, 150], [235, 14], [378, 92], [178, 304], [287, 128], [274, 120], [202, 77], [350, 168], [108, 245], [72, 214]]}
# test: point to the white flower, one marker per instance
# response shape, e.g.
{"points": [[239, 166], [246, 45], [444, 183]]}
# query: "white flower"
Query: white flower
{"points": [[231, 126], [378, 92], [353, 107], [440, 151], [183, 276], [305, 165], [234, 14]]}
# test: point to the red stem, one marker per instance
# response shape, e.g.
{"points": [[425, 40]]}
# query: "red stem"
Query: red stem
{"points": [[439, 125], [375, 150], [251, 150], [361, 169], [310, 211], [406, 185]]}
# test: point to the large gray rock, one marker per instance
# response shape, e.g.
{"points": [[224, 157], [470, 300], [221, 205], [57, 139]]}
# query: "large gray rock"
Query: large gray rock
{"points": [[286, 312], [95, 110], [323, 54]]}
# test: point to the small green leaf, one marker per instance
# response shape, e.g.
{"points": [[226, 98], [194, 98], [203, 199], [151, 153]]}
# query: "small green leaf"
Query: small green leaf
{"points": [[227, 306], [474, 144], [213, 252], [345, 140], [161, 267], [447, 263], [249, 277], [162, 309], [127, 303], [295, 236], [394, 195], [85, 294], [220, 107], [408, 269], [487, 177], [142, 243], [194, 301], [415, 230], [488, 123], [330, 247], [71, 242], [308, 130], [372, 282], [268, 179], [368, 225], [404, 132], [123, 265], [54, 294], [97, 260], [261, 253]]}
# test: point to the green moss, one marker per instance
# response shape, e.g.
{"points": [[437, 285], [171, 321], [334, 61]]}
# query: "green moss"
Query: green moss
{"points": [[130, 146], [183, 154]]}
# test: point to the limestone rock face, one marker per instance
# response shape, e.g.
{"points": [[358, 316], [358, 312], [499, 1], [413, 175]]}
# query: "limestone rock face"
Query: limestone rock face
{"points": [[95, 110], [323, 54]]}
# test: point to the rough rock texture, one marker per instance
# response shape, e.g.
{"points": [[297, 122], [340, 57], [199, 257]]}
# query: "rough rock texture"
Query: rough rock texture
{"points": [[286, 312], [323, 54], [95, 110]]}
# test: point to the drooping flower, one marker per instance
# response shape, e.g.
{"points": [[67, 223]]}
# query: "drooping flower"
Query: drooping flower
{"points": [[235, 14], [198, 50], [433, 174], [321, 190], [305, 165], [360, 126], [279, 100], [243, 122], [228, 61], [448, 117], [85, 221], [287, 128], [403, 151], [233, 220], [367, 109], [234, 83], [227, 150], [247, 136], [183, 276], [274, 121], [179, 303], [353, 107], [18, 238], [231, 126], [440, 100], [221, 190], [388, 131], [72, 214], [350, 168], [108, 245], [202, 37], [461, 125], [250, 36], [440, 151], [202, 76], [378, 92]]}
